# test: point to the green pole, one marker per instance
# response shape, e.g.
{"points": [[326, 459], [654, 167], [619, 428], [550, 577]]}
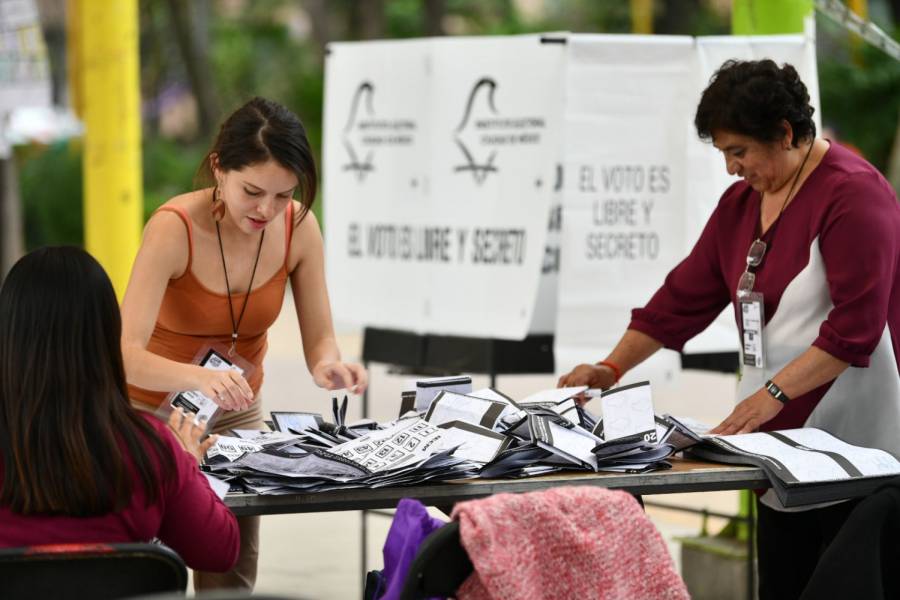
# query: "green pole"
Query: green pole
{"points": [[765, 17]]}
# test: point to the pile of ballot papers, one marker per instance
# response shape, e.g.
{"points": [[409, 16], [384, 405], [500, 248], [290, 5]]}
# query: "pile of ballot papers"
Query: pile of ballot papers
{"points": [[452, 432]]}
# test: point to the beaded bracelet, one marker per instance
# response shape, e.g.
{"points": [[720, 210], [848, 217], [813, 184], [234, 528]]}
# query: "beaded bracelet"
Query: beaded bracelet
{"points": [[613, 367]]}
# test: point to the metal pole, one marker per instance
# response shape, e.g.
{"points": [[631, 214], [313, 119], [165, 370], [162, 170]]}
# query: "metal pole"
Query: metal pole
{"points": [[363, 530], [751, 547], [13, 243]]}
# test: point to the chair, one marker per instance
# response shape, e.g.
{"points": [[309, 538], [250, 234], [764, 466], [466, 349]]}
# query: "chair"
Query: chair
{"points": [[95, 571], [440, 566], [602, 526]]}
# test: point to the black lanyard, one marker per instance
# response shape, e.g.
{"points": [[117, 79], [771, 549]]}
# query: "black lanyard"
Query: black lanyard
{"points": [[236, 324], [787, 198]]}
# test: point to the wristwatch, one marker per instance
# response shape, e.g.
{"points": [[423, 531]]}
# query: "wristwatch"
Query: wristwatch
{"points": [[776, 392]]}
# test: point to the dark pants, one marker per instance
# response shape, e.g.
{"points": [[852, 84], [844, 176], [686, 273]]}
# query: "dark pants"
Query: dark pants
{"points": [[789, 545]]}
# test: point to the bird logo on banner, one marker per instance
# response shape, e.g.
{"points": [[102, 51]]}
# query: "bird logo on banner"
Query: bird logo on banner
{"points": [[364, 93], [480, 170]]}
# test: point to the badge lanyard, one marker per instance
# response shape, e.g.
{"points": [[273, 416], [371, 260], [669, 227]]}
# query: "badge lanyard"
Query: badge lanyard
{"points": [[751, 307], [236, 324]]}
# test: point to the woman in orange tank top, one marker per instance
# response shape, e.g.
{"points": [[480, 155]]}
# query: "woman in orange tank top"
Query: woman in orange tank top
{"points": [[212, 270]]}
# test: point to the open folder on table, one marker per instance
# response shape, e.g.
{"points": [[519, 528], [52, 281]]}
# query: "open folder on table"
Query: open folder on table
{"points": [[805, 466]]}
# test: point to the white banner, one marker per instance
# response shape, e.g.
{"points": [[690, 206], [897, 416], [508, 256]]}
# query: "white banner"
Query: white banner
{"points": [[623, 196], [375, 169], [639, 185], [439, 162]]}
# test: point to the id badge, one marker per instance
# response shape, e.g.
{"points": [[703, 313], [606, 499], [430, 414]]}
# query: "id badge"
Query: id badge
{"points": [[752, 314]]}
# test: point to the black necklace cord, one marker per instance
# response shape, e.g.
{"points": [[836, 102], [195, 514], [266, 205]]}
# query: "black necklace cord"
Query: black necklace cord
{"points": [[790, 191], [236, 324]]}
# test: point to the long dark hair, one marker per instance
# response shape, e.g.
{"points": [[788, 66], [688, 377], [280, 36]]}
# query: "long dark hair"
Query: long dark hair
{"points": [[258, 131], [753, 97], [67, 431]]}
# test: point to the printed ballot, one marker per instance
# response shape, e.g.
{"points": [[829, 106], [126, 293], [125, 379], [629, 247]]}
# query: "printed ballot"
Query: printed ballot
{"points": [[628, 410]]}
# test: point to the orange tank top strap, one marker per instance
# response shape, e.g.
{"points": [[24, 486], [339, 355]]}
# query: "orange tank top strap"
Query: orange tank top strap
{"points": [[186, 219], [288, 233]]}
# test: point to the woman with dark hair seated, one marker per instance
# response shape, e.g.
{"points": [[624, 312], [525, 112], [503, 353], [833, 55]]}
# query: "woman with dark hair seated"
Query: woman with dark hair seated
{"points": [[806, 249], [77, 462]]}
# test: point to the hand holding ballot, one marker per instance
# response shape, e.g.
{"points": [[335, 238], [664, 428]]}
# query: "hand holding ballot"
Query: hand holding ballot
{"points": [[189, 432], [227, 388], [594, 376]]}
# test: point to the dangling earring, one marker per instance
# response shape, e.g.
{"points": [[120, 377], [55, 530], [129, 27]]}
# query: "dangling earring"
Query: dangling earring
{"points": [[218, 205]]}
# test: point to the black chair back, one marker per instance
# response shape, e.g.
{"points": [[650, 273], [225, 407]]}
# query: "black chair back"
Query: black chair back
{"points": [[92, 571], [440, 566]]}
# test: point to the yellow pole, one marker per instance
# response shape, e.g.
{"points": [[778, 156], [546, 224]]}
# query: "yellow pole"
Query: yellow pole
{"points": [[110, 109], [861, 8], [641, 16]]}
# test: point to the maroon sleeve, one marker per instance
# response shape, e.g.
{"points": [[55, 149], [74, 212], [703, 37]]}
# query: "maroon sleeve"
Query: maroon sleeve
{"points": [[195, 523], [860, 245], [692, 296]]}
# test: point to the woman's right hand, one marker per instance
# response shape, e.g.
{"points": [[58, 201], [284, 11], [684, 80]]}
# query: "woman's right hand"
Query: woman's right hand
{"points": [[189, 433], [227, 388]]}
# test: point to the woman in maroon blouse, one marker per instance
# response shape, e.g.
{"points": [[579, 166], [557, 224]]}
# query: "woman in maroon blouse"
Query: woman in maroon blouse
{"points": [[806, 247], [77, 463]]}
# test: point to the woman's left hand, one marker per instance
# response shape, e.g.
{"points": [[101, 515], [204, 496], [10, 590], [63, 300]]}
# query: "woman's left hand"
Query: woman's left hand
{"points": [[334, 375], [750, 414]]}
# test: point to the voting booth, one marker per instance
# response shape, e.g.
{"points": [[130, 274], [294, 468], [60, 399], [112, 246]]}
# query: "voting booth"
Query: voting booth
{"points": [[490, 196]]}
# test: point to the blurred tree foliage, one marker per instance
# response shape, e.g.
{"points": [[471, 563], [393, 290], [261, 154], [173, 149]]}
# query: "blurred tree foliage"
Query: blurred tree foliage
{"points": [[51, 183], [861, 98], [276, 49]]}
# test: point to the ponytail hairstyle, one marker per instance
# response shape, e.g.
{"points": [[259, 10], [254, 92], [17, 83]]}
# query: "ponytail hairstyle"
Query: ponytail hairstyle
{"points": [[258, 131]]}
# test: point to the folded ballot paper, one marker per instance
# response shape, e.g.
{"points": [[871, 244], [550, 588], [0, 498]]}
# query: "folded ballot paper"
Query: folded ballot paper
{"points": [[448, 406], [427, 389]]}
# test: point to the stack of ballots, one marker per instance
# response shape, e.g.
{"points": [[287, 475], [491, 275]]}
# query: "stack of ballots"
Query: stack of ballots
{"points": [[550, 431], [326, 456], [458, 434]]}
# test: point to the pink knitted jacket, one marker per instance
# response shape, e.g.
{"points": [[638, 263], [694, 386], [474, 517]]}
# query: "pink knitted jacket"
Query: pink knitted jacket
{"points": [[567, 542]]}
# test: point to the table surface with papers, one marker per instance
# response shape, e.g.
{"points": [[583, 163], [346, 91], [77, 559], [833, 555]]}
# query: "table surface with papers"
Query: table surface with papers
{"points": [[684, 476]]}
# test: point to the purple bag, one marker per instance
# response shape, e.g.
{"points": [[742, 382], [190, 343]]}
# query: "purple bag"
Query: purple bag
{"points": [[412, 524]]}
